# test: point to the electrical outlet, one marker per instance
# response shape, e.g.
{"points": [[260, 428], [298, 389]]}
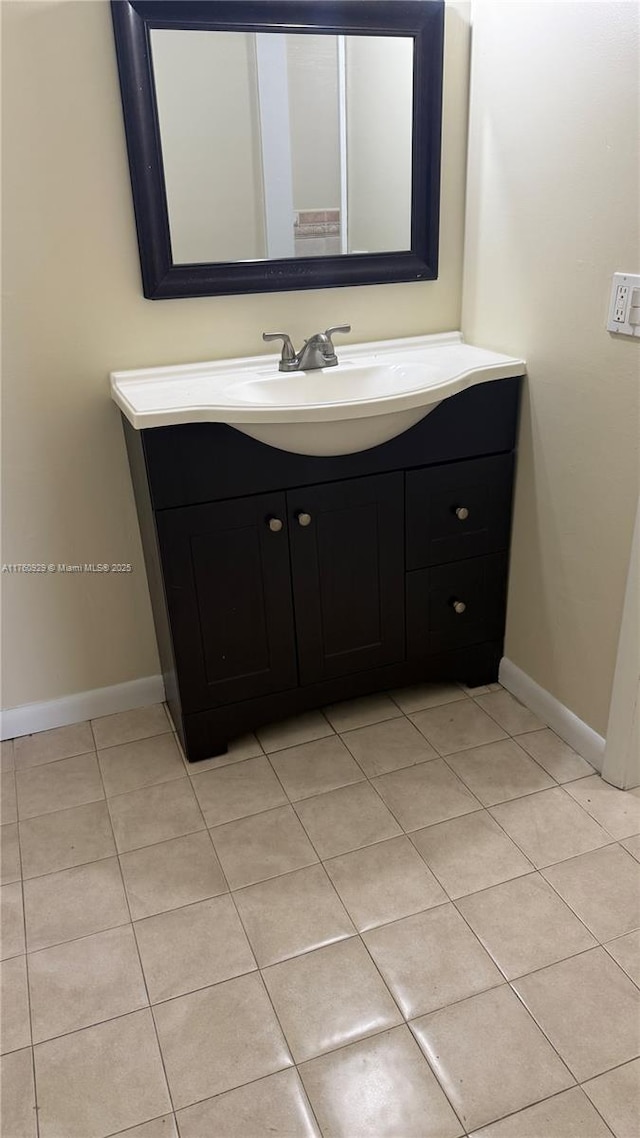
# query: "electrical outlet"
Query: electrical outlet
{"points": [[624, 305], [620, 308]]}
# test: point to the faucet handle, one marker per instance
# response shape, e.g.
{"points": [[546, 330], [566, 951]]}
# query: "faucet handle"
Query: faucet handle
{"points": [[288, 352], [338, 328]]}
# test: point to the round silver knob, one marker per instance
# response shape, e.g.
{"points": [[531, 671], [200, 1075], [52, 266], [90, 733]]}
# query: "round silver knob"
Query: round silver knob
{"points": [[304, 519], [275, 525], [462, 513], [459, 607]]}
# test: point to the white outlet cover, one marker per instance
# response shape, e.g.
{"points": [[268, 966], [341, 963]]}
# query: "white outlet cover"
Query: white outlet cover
{"points": [[622, 293]]}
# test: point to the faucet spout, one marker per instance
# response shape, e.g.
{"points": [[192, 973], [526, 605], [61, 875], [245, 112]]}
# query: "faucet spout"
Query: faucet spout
{"points": [[316, 352]]}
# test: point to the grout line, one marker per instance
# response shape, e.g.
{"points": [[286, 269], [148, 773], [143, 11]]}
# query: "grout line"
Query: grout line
{"points": [[538, 1102], [605, 945], [147, 1122]]}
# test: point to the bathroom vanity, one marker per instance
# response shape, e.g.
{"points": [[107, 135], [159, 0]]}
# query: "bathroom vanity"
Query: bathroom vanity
{"points": [[284, 581]]}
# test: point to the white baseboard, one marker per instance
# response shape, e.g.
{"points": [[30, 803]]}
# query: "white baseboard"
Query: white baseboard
{"points": [[574, 731], [32, 717]]}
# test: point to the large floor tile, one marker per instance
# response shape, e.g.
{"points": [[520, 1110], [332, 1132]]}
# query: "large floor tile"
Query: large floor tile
{"points": [[603, 888], [588, 1008], [497, 772], [127, 726], [388, 746], [420, 696], [85, 981], [361, 712], [625, 950], [384, 882], [192, 947], [18, 1099], [9, 854], [525, 925], [130, 766], [154, 814], [276, 1105], [66, 838], [238, 790], [419, 796], [567, 1115], [263, 846], [313, 768], [56, 786], [378, 1088], [178, 872], [73, 903], [328, 998], [470, 853], [456, 726], [512, 715], [11, 921], [219, 1038], [616, 1095], [291, 732], [549, 826], [8, 803], [100, 1080], [15, 1029], [430, 960], [616, 810], [557, 757], [291, 914], [346, 819], [490, 1057], [7, 755], [48, 746]]}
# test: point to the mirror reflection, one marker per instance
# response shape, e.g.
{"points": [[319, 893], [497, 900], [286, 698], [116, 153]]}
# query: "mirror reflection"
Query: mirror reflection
{"points": [[284, 145]]}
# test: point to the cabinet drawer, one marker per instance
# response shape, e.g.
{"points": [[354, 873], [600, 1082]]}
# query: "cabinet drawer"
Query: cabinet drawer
{"points": [[453, 606], [459, 510]]}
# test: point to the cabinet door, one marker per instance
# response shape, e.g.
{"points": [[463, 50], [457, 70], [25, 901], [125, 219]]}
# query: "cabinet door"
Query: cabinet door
{"points": [[228, 586], [347, 557]]}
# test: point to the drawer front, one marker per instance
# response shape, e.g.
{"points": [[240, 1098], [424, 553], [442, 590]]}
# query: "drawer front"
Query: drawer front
{"points": [[453, 606], [459, 510]]}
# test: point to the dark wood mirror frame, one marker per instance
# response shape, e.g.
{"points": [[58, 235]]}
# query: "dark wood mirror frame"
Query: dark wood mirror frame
{"points": [[422, 20]]}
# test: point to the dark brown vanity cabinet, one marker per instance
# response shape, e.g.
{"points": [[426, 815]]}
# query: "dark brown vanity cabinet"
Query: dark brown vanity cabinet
{"points": [[278, 589], [282, 582]]}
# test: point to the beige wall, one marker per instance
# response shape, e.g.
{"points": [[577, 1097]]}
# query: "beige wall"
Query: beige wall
{"points": [[212, 162], [552, 212], [74, 310]]}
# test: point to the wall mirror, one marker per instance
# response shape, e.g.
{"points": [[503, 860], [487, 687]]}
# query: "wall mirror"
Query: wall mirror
{"points": [[282, 144]]}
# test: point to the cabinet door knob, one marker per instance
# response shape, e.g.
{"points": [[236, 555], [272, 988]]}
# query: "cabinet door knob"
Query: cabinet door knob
{"points": [[275, 525], [304, 519], [458, 607], [462, 513]]}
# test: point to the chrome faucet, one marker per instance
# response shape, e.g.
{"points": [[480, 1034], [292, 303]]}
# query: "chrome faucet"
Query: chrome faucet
{"points": [[316, 352]]}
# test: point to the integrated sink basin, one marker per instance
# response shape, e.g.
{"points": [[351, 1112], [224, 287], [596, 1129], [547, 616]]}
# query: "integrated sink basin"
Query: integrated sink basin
{"points": [[376, 391]]}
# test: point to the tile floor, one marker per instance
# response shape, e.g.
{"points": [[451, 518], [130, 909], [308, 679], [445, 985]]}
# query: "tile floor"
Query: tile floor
{"points": [[416, 915]]}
